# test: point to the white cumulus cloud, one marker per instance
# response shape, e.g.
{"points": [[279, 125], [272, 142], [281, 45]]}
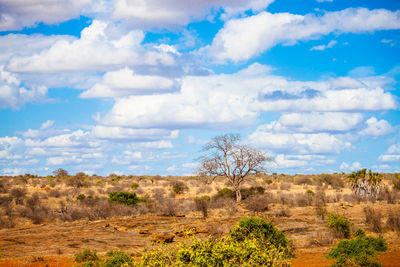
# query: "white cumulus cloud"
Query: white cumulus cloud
{"points": [[244, 38], [376, 128], [355, 166], [392, 154], [101, 47], [17, 14], [125, 82], [321, 121], [14, 95], [121, 133], [175, 13], [232, 100]]}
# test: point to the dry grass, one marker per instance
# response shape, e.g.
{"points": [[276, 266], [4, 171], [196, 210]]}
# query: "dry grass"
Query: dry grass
{"points": [[296, 204], [373, 218]]}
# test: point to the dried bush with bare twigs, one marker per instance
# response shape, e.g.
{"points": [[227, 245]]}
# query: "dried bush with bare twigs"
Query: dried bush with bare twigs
{"points": [[226, 204], [303, 180], [282, 212], [285, 186], [18, 194], [202, 204], [393, 220], [258, 203], [373, 218]]}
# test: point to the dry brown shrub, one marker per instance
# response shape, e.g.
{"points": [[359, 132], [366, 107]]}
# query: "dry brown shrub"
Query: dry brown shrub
{"points": [[168, 207], [79, 180], [285, 186], [217, 230], [101, 191], [393, 221], [18, 195], [202, 204], [120, 210], [351, 198], [320, 209], [202, 189], [114, 189], [303, 180], [258, 203], [54, 193], [321, 239], [282, 212], [373, 217], [335, 198], [3, 186], [33, 201], [74, 213], [7, 205], [286, 199], [7, 222], [38, 213], [227, 204], [139, 191], [302, 200], [389, 196], [158, 194], [90, 192]]}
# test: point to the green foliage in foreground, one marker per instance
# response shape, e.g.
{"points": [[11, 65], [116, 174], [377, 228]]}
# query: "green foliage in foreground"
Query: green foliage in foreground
{"points": [[86, 255], [266, 232], [360, 250], [115, 259], [223, 252], [119, 259], [253, 242], [340, 225], [124, 198]]}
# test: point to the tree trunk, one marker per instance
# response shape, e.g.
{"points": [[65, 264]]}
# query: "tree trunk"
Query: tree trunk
{"points": [[238, 194]]}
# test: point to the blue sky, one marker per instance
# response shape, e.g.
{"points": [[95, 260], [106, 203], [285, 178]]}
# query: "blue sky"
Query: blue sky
{"points": [[138, 87]]}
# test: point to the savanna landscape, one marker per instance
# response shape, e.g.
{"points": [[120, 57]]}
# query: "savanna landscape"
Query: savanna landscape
{"points": [[200, 133], [50, 220]]}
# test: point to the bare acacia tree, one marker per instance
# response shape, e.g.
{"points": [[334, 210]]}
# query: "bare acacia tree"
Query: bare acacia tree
{"points": [[226, 158]]}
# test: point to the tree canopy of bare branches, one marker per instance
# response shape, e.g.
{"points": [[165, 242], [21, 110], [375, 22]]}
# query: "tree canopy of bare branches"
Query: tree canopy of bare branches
{"points": [[225, 157]]}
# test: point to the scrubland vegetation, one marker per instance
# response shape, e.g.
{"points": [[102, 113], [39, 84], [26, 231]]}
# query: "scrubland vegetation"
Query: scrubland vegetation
{"points": [[348, 217]]}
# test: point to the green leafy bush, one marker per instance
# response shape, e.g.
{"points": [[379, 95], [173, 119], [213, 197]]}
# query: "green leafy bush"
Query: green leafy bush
{"points": [[339, 225], [254, 190], [238, 249], [119, 259], [310, 192], [257, 228], [81, 197], [178, 187], [360, 250], [222, 252], [359, 233], [91, 264], [134, 185], [86, 255], [268, 181], [225, 193], [124, 198]]}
